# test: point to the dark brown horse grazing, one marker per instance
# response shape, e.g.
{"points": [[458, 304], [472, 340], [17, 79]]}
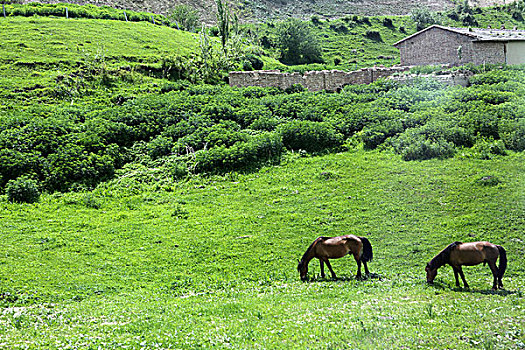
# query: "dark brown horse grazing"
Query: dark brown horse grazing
{"points": [[469, 254], [324, 248]]}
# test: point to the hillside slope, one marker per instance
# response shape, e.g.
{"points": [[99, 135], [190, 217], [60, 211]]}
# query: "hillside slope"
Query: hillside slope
{"points": [[252, 10], [211, 264]]}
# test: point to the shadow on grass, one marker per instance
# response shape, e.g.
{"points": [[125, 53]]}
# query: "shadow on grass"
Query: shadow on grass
{"points": [[372, 276], [501, 292]]}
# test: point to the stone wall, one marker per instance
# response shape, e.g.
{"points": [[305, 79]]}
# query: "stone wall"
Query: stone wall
{"points": [[330, 80], [446, 77]]}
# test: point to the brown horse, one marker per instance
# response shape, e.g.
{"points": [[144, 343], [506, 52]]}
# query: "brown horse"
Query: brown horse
{"points": [[324, 248], [469, 254]]}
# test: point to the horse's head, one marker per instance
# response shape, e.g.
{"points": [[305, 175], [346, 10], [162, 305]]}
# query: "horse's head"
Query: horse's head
{"points": [[302, 268], [431, 273]]}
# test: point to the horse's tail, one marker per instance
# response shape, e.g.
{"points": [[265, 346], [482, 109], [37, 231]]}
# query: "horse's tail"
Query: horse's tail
{"points": [[368, 254], [502, 261]]}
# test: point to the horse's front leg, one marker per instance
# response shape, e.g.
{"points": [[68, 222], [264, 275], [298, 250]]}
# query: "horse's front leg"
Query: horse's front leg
{"points": [[330, 268], [460, 270], [322, 267], [456, 275]]}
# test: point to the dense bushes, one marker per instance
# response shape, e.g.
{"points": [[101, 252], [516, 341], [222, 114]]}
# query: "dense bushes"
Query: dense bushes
{"points": [[309, 136], [209, 129], [23, 190]]}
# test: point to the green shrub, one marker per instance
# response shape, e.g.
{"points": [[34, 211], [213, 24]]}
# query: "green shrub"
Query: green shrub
{"points": [[294, 89], [297, 43], [22, 190], [422, 149], [247, 66], [373, 35], [309, 136], [422, 143], [375, 135], [256, 151], [469, 20], [487, 148], [492, 77], [159, 147], [512, 133], [184, 17], [387, 22], [423, 18], [339, 27]]}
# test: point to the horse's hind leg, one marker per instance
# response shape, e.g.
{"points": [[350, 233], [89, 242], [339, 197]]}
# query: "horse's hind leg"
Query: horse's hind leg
{"points": [[495, 271], [322, 268], [330, 268], [366, 269], [358, 276]]}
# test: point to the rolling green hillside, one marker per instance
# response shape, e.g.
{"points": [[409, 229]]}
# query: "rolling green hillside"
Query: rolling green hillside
{"points": [[211, 262], [48, 58]]}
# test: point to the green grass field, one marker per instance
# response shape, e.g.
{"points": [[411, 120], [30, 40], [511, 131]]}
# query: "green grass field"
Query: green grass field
{"points": [[211, 262], [147, 262]]}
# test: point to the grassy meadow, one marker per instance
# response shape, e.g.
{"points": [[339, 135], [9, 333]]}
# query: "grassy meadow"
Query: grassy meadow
{"points": [[166, 220], [211, 262]]}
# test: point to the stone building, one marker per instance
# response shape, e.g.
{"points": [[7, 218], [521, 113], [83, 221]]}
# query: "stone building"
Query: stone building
{"points": [[457, 46]]}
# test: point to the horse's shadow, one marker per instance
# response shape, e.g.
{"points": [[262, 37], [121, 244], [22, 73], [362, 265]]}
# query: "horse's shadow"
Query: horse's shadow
{"points": [[371, 276], [501, 292]]}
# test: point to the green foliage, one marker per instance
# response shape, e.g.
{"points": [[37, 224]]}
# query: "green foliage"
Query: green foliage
{"points": [[423, 18], [309, 136], [512, 133], [488, 148], [80, 11], [297, 43], [258, 149], [23, 190], [226, 23], [387, 22], [373, 35], [252, 62], [414, 146], [184, 17]]}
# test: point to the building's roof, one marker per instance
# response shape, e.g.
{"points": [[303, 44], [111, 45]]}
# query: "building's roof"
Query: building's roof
{"points": [[477, 34]]}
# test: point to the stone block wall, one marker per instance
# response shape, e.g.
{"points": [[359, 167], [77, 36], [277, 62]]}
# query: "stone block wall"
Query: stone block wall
{"points": [[330, 80], [446, 78]]}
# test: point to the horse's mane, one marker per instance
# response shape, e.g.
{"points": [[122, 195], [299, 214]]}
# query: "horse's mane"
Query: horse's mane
{"points": [[443, 257], [310, 247]]}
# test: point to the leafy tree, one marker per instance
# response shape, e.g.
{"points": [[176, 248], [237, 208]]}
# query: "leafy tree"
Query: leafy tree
{"points": [[227, 23], [423, 18], [185, 17], [297, 43]]}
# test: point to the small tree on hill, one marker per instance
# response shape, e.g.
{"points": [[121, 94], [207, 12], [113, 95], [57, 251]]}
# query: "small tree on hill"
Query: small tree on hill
{"points": [[297, 43], [227, 23], [186, 17], [423, 18]]}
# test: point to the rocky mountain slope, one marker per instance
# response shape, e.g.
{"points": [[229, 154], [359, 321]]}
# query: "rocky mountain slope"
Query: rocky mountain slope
{"points": [[261, 10]]}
